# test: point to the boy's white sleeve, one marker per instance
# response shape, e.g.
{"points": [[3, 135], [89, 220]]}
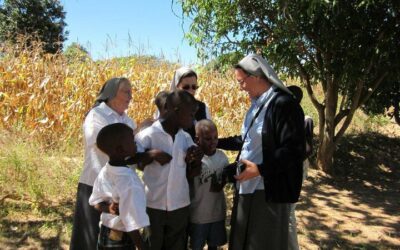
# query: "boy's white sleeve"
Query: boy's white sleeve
{"points": [[132, 204], [99, 194], [143, 142]]}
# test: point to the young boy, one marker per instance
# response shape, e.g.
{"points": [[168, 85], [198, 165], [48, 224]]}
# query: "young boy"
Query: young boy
{"points": [[167, 189], [208, 207], [116, 182]]}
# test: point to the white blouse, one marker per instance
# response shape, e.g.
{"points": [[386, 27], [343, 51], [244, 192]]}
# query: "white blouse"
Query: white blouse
{"points": [[166, 186], [121, 185], [96, 119]]}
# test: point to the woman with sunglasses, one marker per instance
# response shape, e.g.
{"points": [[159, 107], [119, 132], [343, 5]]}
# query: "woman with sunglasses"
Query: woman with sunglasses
{"points": [[185, 78]]}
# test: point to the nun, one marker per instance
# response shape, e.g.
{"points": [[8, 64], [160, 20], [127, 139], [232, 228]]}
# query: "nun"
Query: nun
{"points": [[269, 163], [110, 107], [185, 78]]}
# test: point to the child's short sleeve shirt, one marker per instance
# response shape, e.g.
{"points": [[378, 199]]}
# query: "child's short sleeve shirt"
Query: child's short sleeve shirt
{"points": [[122, 185], [166, 186]]}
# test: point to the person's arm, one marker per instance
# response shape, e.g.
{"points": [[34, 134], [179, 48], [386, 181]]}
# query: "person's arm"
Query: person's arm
{"points": [[288, 138], [289, 143], [233, 143], [105, 207], [145, 158], [193, 161]]}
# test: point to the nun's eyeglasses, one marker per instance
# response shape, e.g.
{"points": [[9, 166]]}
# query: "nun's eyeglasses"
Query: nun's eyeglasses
{"points": [[189, 86]]}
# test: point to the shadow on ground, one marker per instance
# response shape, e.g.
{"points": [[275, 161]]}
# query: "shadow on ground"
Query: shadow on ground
{"points": [[362, 196], [24, 226]]}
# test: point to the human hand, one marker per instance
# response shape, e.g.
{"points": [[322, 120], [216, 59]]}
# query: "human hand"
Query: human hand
{"points": [[194, 154], [193, 169], [250, 171], [113, 208], [160, 156]]}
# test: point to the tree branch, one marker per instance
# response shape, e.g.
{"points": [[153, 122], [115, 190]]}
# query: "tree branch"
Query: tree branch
{"points": [[342, 114], [354, 105], [374, 87], [310, 92]]}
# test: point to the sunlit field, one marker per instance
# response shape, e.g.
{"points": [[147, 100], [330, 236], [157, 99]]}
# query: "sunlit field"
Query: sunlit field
{"points": [[44, 99]]}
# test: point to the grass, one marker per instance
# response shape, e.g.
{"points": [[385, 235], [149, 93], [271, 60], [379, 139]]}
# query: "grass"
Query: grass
{"points": [[357, 208]]}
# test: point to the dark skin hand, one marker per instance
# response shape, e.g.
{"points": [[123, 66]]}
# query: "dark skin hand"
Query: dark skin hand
{"points": [[194, 154], [105, 207], [145, 158], [193, 161]]}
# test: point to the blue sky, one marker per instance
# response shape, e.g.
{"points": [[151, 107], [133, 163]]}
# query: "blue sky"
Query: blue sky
{"points": [[125, 27]]}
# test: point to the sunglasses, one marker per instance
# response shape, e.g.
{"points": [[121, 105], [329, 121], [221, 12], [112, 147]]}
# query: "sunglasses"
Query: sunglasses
{"points": [[187, 87]]}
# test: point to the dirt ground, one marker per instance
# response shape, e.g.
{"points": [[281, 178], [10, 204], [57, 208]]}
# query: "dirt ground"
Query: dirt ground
{"points": [[357, 207]]}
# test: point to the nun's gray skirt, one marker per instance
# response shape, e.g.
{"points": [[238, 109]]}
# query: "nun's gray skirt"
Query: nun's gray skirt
{"points": [[259, 225]]}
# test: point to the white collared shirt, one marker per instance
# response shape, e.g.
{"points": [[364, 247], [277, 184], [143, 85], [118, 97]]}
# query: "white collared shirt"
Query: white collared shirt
{"points": [[95, 120], [252, 146], [166, 186], [121, 185]]}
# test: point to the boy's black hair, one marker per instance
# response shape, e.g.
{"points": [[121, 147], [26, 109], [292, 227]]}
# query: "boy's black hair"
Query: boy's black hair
{"points": [[297, 92], [161, 100], [178, 98], [110, 137]]}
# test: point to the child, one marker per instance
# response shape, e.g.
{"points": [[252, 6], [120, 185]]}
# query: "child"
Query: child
{"points": [[116, 182], [159, 101], [167, 189], [208, 207]]}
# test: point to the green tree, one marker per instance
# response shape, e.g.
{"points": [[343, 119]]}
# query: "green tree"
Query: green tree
{"points": [[386, 100], [347, 47], [76, 52], [224, 62], [34, 19]]}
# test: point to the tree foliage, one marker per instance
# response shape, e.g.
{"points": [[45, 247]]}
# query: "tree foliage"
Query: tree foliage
{"points": [[76, 52], [385, 100], [36, 19], [347, 47]]}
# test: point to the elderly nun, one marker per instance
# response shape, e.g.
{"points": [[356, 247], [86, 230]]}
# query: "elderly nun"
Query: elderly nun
{"points": [[110, 107], [271, 151]]}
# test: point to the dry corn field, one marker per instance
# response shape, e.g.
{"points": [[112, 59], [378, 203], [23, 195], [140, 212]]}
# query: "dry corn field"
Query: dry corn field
{"points": [[48, 96]]}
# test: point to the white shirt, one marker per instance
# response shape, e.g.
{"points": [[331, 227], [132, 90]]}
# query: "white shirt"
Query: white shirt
{"points": [[207, 206], [95, 120], [122, 185], [166, 186], [252, 146]]}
